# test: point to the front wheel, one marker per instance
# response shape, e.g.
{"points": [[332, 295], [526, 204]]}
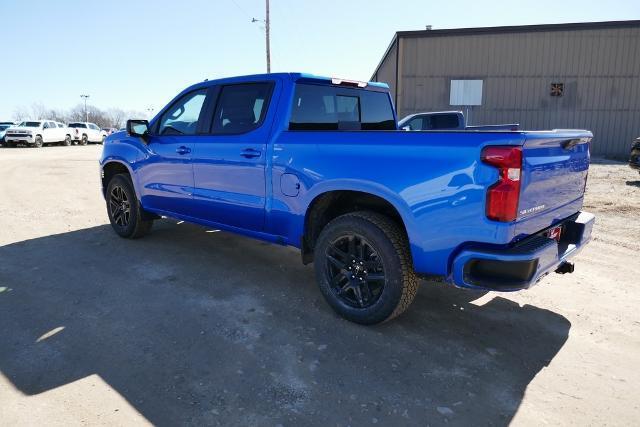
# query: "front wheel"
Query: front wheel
{"points": [[364, 269], [84, 140], [37, 143], [124, 210], [67, 141]]}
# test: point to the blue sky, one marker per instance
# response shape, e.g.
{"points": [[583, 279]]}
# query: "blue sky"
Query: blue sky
{"points": [[138, 54]]}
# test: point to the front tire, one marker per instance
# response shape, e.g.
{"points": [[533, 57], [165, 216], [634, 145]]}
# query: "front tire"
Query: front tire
{"points": [[124, 210], [67, 141], [364, 269], [37, 143], [84, 140]]}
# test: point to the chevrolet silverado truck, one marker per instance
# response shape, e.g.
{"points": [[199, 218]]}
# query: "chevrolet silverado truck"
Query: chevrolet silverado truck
{"points": [[36, 133], [320, 164], [84, 132]]}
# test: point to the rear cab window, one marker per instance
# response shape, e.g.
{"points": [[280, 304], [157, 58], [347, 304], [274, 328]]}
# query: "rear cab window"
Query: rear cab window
{"points": [[323, 107]]}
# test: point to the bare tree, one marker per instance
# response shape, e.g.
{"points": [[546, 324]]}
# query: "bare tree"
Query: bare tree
{"points": [[20, 113], [116, 117], [38, 111]]}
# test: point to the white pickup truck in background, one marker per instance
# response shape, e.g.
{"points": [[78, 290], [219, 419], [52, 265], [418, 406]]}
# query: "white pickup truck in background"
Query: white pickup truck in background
{"points": [[84, 132], [36, 133]]}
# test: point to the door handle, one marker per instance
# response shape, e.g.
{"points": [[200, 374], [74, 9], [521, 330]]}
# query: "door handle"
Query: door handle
{"points": [[183, 150], [250, 153]]}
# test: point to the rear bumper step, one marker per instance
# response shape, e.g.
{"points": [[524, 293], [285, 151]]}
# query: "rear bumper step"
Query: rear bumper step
{"points": [[524, 264]]}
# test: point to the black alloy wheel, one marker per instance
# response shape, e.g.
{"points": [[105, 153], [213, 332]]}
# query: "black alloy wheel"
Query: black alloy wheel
{"points": [[355, 270], [126, 216], [119, 206], [364, 268]]}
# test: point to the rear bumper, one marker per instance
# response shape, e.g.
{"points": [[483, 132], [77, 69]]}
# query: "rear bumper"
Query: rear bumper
{"points": [[523, 265]]}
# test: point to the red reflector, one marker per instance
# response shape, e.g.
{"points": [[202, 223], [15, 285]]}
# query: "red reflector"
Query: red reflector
{"points": [[504, 195], [555, 233]]}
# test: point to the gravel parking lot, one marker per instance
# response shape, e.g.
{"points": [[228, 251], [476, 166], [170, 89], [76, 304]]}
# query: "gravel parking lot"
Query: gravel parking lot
{"points": [[191, 326]]}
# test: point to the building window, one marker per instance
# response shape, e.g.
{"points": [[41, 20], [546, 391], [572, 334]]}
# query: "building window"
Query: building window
{"points": [[557, 89]]}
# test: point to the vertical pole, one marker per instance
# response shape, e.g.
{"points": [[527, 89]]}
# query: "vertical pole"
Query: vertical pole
{"points": [[267, 24], [86, 113]]}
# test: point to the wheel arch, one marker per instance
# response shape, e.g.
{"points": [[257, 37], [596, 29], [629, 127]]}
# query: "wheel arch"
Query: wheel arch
{"points": [[113, 167], [327, 205]]}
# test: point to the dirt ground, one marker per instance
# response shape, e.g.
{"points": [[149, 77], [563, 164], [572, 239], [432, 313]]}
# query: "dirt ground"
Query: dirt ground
{"points": [[190, 326]]}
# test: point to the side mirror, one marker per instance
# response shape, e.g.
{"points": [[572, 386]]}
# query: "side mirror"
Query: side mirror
{"points": [[406, 128], [138, 128]]}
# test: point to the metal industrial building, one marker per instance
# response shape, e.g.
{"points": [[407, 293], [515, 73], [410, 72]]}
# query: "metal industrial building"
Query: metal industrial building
{"points": [[582, 75]]}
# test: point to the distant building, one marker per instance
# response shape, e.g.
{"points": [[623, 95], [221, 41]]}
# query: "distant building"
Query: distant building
{"points": [[583, 75]]}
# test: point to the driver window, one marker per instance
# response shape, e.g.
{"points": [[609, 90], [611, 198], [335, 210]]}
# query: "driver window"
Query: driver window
{"points": [[182, 117]]}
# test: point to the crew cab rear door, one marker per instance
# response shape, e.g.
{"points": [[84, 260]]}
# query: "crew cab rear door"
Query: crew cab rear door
{"points": [[229, 162]]}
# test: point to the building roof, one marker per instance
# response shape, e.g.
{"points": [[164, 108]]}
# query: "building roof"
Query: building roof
{"points": [[573, 26]]}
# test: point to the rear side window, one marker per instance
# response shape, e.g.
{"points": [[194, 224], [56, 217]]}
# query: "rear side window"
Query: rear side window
{"points": [[319, 107], [241, 108], [182, 117], [77, 125]]}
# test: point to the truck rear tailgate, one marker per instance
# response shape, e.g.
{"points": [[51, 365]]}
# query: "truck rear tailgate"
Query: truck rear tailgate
{"points": [[554, 173]]}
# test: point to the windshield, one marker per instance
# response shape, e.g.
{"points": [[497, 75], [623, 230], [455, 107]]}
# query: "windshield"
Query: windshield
{"points": [[3, 127], [77, 125], [29, 124]]}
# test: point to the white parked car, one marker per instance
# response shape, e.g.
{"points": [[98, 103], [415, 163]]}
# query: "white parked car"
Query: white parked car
{"points": [[36, 133], [84, 132]]}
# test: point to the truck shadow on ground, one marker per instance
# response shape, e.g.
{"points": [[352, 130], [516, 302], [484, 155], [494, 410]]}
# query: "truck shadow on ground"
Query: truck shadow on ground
{"points": [[195, 327]]}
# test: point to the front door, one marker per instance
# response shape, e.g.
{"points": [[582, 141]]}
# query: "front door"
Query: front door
{"points": [[229, 163], [166, 175]]}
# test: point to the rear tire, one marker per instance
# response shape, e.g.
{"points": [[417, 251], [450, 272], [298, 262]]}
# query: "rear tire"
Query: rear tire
{"points": [[370, 280], [67, 141], [124, 210]]}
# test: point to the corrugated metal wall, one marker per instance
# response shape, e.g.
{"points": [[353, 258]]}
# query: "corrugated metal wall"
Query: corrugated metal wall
{"points": [[600, 69]]}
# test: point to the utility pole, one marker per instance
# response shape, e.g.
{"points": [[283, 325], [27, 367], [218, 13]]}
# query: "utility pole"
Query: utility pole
{"points": [[267, 29], [267, 25], [86, 113]]}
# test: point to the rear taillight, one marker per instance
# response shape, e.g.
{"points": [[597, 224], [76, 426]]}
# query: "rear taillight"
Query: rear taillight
{"points": [[504, 195]]}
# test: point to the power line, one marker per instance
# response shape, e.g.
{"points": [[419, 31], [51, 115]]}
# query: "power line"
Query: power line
{"points": [[240, 8]]}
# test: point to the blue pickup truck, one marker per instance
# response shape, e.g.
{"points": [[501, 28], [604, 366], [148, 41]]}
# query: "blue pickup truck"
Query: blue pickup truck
{"points": [[320, 164]]}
